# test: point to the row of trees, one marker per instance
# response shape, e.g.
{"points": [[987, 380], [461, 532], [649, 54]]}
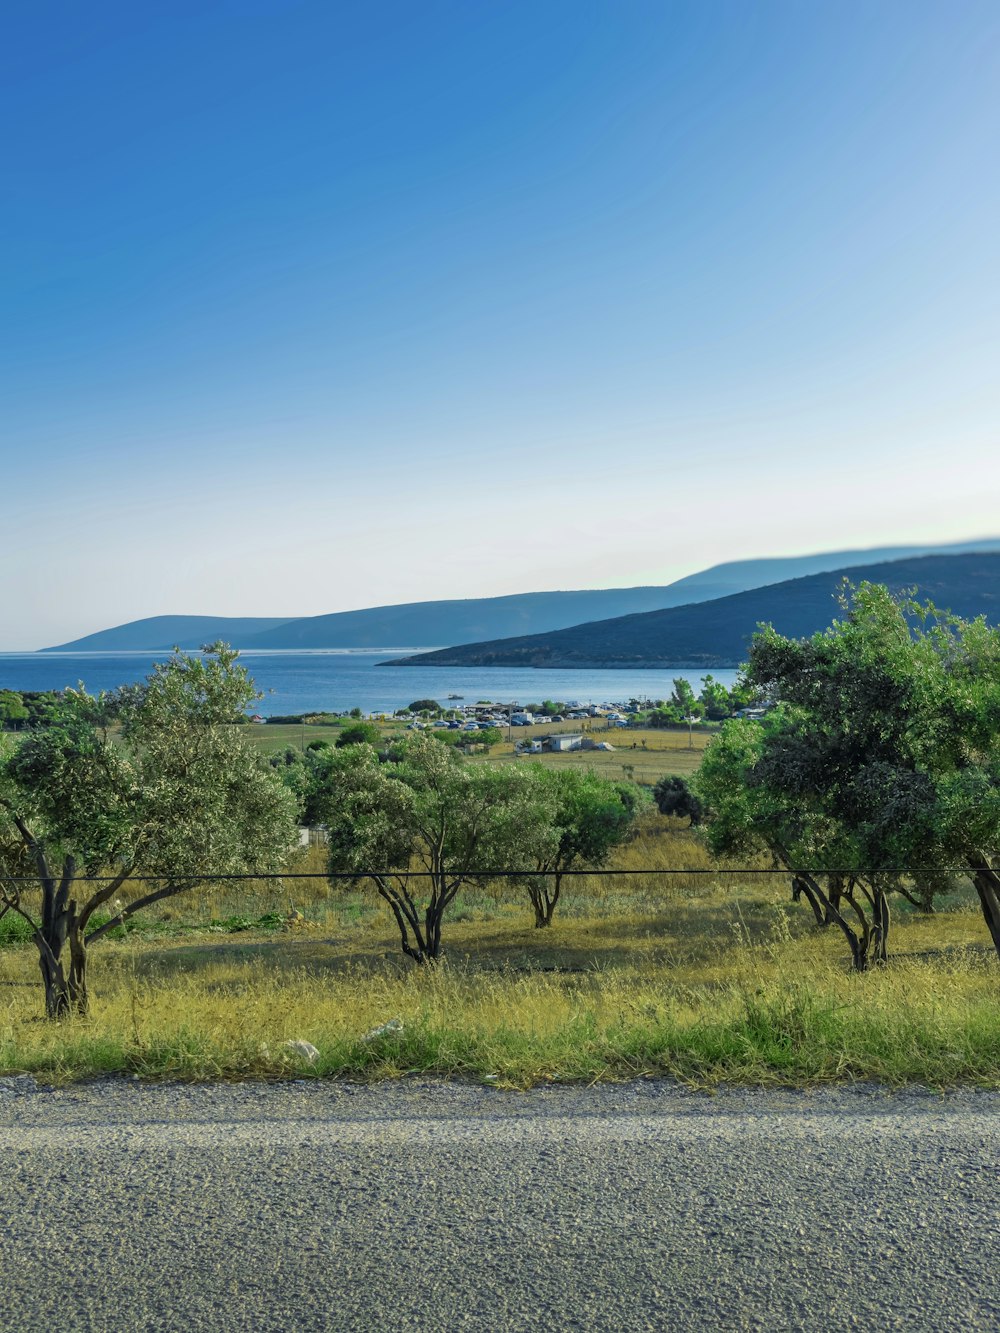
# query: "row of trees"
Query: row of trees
{"points": [[419, 823], [712, 703], [154, 784], [881, 755]]}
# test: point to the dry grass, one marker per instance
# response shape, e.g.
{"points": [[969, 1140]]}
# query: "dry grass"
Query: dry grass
{"points": [[707, 977]]}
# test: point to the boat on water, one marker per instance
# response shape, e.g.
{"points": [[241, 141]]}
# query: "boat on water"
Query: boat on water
{"points": [[456, 696]]}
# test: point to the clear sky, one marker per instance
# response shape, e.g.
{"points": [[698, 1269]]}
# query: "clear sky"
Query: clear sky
{"points": [[312, 306]]}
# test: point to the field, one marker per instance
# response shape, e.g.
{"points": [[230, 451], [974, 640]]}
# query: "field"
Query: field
{"points": [[656, 752], [708, 977], [275, 737]]}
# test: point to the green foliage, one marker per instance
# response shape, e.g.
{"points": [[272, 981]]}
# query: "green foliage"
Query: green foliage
{"points": [[884, 753], [179, 793], [673, 796], [425, 808], [363, 733], [25, 709], [684, 700], [305, 719], [425, 706], [12, 709], [591, 817], [715, 700], [294, 773], [666, 715], [234, 925], [486, 736]]}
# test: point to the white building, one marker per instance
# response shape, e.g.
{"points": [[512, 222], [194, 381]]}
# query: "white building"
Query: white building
{"points": [[565, 741]]}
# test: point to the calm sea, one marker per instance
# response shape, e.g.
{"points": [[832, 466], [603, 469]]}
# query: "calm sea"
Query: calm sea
{"points": [[298, 682]]}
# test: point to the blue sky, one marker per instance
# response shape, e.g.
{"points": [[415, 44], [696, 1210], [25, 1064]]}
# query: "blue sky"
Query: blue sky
{"points": [[316, 306]]}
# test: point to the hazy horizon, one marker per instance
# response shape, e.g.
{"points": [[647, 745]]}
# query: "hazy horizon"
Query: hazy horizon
{"points": [[314, 308], [859, 554]]}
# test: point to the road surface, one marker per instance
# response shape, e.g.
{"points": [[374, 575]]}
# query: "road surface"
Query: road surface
{"points": [[422, 1205]]}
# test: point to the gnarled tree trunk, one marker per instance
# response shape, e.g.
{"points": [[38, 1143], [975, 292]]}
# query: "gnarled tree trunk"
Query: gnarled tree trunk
{"points": [[868, 940], [65, 991], [987, 884], [543, 899]]}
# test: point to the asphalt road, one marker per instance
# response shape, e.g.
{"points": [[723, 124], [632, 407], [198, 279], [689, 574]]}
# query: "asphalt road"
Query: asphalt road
{"points": [[422, 1205]]}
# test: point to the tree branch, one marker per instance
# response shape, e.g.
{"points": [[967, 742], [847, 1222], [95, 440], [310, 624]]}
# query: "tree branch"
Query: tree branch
{"points": [[12, 905], [169, 891], [102, 897]]}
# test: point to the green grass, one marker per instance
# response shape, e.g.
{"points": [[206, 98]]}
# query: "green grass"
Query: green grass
{"points": [[274, 738]]}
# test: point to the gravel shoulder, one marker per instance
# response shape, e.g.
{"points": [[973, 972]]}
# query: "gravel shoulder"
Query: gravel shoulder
{"points": [[422, 1204]]}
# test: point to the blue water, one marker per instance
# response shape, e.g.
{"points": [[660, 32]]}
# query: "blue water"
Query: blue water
{"points": [[299, 682]]}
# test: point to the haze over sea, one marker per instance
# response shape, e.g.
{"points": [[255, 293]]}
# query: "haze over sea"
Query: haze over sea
{"points": [[334, 680]]}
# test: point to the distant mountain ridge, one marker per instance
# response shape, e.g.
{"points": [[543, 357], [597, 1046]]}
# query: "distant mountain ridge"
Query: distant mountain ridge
{"points": [[480, 618], [717, 633], [165, 632]]}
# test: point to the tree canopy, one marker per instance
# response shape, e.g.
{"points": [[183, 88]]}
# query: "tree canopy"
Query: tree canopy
{"points": [[425, 811], [673, 796], [361, 733], [591, 817], [152, 781], [882, 756]]}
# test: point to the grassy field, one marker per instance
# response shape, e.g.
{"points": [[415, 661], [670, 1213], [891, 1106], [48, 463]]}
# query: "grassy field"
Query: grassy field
{"points": [[275, 737], [655, 752], [706, 977]]}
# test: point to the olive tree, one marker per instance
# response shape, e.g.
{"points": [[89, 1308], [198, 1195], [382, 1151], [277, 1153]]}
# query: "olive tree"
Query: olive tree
{"points": [[673, 796], [883, 756], [424, 810], [591, 817], [750, 809], [151, 782]]}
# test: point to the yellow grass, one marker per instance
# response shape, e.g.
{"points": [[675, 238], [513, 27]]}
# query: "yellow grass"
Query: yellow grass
{"points": [[706, 977]]}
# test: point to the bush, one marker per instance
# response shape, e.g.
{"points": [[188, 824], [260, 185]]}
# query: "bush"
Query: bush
{"points": [[363, 733], [674, 797]]}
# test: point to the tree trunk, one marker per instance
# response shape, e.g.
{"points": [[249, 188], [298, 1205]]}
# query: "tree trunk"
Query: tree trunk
{"points": [[57, 994], [987, 882], [880, 930], [545, 902], [835, 891], [800, 889], [78, 970], [830, 907], [432, 932], [63, 994]]}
